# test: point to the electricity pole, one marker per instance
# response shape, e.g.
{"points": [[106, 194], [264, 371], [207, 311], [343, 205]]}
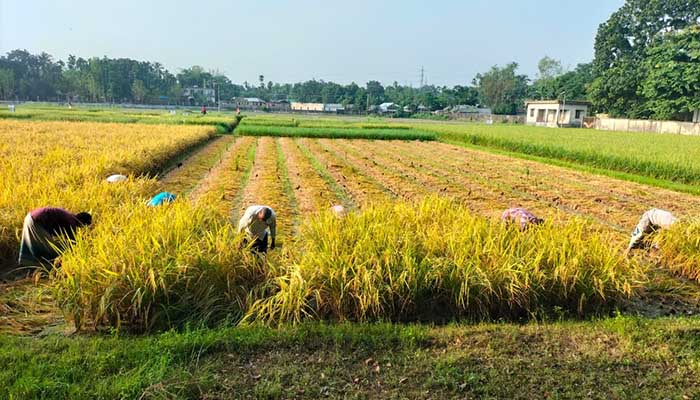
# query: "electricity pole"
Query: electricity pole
{"points": [[422, 75]]}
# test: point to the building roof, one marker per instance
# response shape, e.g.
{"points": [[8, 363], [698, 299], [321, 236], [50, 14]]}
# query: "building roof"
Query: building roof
{"points": [[560, 102], [467, 109], [253, 100]]}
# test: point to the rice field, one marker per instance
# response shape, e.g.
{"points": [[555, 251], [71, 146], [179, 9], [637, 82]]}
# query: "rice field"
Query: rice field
{"points": [[422, 240]]}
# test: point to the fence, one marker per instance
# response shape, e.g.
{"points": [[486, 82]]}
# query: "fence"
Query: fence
{"points": [[643, 125]]}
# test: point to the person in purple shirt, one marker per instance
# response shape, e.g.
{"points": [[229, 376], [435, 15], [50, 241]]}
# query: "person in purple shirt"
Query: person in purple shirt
{"points": [[42, 232], [520, 217]]}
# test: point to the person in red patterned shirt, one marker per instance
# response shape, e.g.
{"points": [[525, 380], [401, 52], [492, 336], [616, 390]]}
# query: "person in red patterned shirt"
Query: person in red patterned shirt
{"points": [[42, 230], [520, 216]]}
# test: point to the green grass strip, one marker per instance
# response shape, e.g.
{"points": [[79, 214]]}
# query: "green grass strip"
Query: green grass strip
{"points": [[336, 133]]}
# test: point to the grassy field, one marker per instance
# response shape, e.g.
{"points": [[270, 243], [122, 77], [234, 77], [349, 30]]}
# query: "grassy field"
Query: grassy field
{"points": [[612, 358], [422, 242]]}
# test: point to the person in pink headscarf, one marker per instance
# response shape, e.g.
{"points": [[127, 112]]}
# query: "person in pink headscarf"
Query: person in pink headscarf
{"points": [[520, 216]]}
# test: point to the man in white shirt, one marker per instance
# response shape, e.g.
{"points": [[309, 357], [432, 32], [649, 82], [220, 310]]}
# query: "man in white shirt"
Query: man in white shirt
{"points": [[650, 222], [256, 221]]}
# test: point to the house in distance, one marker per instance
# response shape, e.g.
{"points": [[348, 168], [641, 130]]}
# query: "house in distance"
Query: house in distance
{"points": [[556, 113]]}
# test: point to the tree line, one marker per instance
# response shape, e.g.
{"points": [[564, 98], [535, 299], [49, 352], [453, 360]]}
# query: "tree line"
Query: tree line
{"points": [[39, 77], [646, 65]]}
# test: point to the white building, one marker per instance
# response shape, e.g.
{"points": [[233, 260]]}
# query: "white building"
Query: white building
{"points": [[318, 107], [248, 103], [333, 108], [388, 108], [191, 94], [555, 113]]}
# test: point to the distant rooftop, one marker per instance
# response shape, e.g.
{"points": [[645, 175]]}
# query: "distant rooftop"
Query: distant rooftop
{"points": [[562, 102]]}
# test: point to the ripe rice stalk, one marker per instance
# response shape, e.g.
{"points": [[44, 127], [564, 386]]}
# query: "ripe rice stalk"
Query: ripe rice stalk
{"points": [[65, 164], [434, 259], [145, 268], [679, 248]]}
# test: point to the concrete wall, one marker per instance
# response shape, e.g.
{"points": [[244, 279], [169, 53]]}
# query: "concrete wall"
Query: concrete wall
{"points": [[485, 118], [642, 125]]}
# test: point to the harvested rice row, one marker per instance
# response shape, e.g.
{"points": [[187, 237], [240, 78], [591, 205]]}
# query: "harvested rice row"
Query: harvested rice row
{"points": [[510, 187], [361, 188], [570, 196], [185, 178], [310, 190], [621, 202], [224, 183], [339, 192], [399, 184], [477, 194]]}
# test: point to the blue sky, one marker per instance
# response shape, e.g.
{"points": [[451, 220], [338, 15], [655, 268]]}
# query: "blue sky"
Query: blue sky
{"points": [[287, 41]]}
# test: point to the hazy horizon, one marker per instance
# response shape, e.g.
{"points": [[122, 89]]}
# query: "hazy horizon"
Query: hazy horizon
{"points": [[305, 40]]}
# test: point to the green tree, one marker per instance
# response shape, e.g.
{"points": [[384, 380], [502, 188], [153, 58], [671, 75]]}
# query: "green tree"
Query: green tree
{"points": [[502, 89], [672, 74], [375, 91], [621, 46], [138, 91], [7, 83]]}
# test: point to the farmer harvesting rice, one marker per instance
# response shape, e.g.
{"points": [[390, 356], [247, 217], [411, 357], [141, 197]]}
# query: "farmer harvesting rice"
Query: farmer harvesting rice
{"points": [[338, 210], [520, 216], [161, 198], [651, 221], [41, 231], [255, 221]]}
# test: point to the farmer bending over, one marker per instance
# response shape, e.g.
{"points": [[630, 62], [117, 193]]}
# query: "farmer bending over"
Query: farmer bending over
{"points": [[650, 222], [161, 198], [339, 211], [520, 216], [41, 231], [255, 221]]}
